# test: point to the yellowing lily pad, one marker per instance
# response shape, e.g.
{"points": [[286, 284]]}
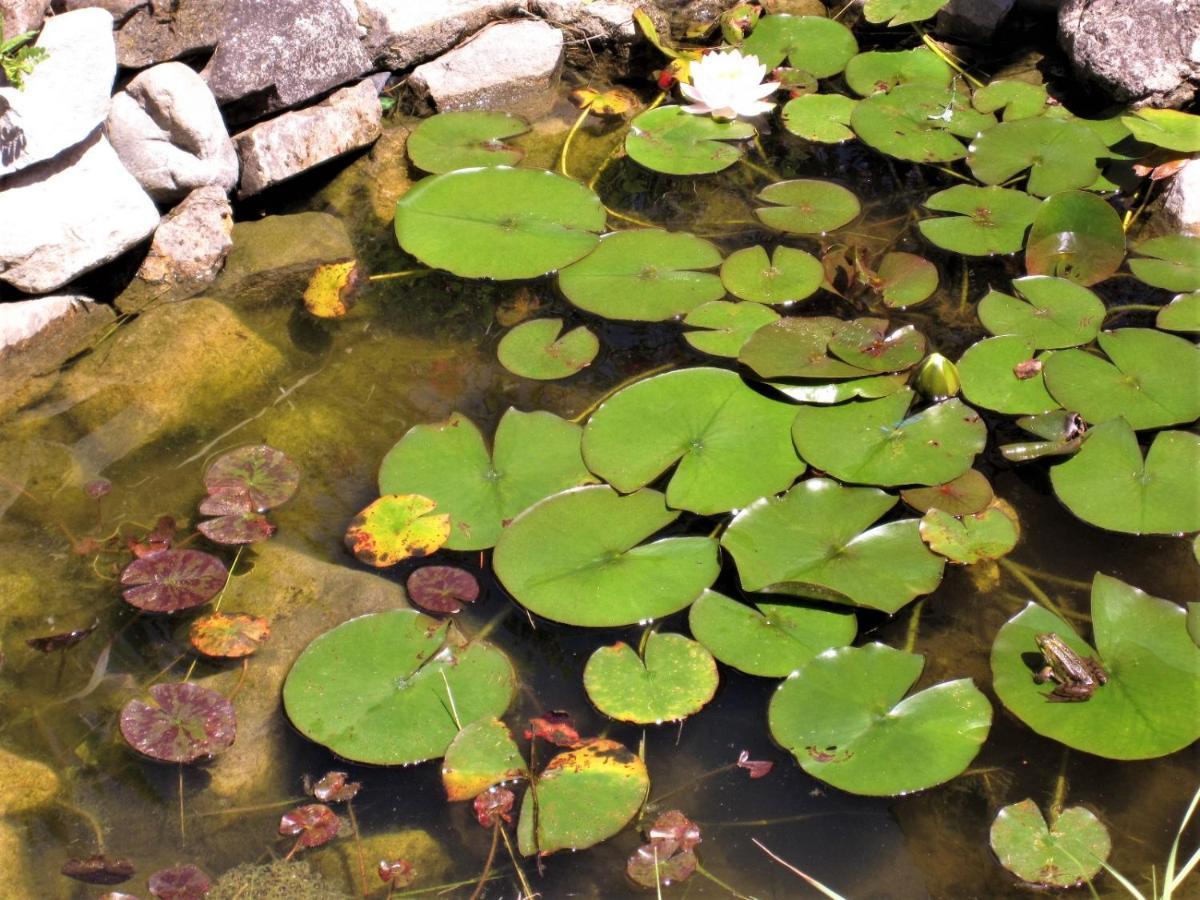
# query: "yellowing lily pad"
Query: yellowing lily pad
{"points": [[672, 679], [968, 539], [481, 755], [331, 289], [397, 527]]}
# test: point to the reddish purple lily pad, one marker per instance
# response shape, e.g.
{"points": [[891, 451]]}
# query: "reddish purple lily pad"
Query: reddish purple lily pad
{"points": [[172, 580], [673, 831], [442, 589], [648, 867], [396, 873], [312, 825], [494, 804], [98, 488], [65, 640], [265, 475], [187, 722], [333, 787], [98, 869], [240, 528], [180, 883], [756, 768]]}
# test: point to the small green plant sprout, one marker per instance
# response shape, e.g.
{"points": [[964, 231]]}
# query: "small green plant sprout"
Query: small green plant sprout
{"points": [[18, 59]]}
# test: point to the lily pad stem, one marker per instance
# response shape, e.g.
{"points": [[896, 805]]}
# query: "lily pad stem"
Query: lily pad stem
{"points": [[362, 863], [450, 696], [625, 217], [524, 882], [487, 865], [403, 273], [1051, 577], [562, 154], [761, 170], [1130, 307], [940, 52], [828, 892], [1060, 787], [1030, 585], [719, 883], [656, 802], [1133, 214], [620, 145], [182, 820], [914, 625], [92, 821]]}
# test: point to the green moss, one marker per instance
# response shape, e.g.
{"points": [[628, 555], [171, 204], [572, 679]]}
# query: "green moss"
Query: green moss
{"points": [[279, 880]]}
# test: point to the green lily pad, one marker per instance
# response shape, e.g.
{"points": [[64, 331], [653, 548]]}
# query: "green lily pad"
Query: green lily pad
{"points": [[795, 347], [1147, 707], [646, 275], [674, 142], [906, 279], [1052, 312], [1151, 379], [878, 71], [847, 720], [534, 350], [816, 541], [807, 206], [787, 275], [1169, 128], [536, 454], [824, 118], [901, 12], [917, 122], [1062, 855], [578, 558], [498, 222], [819, 46], [1060, 154], [1004, 374], [673, 679], [1018, 99], [1075, 235], [967, 494], [1171, 262], [727, 326], [392, 688], [1108, 484], [465, 139], [1181, 314], [481, 755], [771, 640], [397, 527], [878, 442], [993, 219], [732, 444], [871, 388], [867, 344], [584, 796], [968, 539]]}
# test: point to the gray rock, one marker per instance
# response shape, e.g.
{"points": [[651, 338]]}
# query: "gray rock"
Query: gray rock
{"points": [[66, 95], [1181, 203], [402, 33], [273, 258], [119, 9], [972, 20], [192, 27], [502, 66], [603, 20], [275, 54], [1146, 52], [20, 16], [70, 215], [167, 130], [294, 142], [191, 242]]}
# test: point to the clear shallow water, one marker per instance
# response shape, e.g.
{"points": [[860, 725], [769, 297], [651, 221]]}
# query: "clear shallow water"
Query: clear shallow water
{"points": [[336, 396]]}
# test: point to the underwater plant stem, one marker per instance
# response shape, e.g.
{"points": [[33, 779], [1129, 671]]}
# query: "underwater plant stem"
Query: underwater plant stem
{"points": [[241, 679], [403, 273], [524, 882], [182, 827], [624, 217], [450, 697], [566, 147], [1030, 585], [492, 623], [620, 145], [261, 807], [914, 625], [1131, 307], [687, 785], [92, 821], [1060, 786], [718, 882], [828, 892], [237, 557], [947, 58], [362, 863], [628, 381], [1132, 215], [761, 170], [487, 864]]}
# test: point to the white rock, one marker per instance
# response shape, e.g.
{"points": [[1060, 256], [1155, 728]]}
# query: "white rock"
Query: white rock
{"points": [[191, 241], [604, 20], [66, 95], [1181, 203], [20, 16], [167, 130], [402, 33], [287, 145], [69, 216], [501, 66]]}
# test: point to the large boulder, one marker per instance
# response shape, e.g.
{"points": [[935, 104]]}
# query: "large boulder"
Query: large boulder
{"points": [[1181, 202], [275, 54], [975, 21], [148, 37], [119, 9], [20, 16], [167, 130], [1144, 52], [70, 215], [66, 95], [402, 33], [275, 150], [190, 244], [502, 66]]}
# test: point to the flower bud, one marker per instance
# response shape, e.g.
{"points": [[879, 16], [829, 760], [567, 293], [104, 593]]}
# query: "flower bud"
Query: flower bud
{"points": [[937, 378]]}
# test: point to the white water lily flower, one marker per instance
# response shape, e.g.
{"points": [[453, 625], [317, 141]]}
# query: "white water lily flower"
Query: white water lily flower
{"points": [[728, 85]]}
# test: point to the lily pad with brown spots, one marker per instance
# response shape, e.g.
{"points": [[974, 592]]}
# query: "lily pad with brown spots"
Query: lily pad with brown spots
{"points": [[397, 527]]}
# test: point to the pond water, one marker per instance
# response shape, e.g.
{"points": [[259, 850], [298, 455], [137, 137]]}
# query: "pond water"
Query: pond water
{"points": [[153, 404]]}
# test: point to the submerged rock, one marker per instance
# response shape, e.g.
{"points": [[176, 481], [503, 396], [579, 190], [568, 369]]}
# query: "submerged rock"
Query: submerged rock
{"points": [[148, 37], [275, 150], [273, 258], [972, 20], [25, 784], [402, 33], [338, 861], [167, 130], [501, 66], [274, 54], [1181, 203], [18, 882], [279, 880], [1145, 52], [66, 95], [187, 251], [378, 179], [70, 215]]}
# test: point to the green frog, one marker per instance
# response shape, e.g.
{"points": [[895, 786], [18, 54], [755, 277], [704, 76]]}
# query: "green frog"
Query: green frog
{"points": [[1076, 677]]}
